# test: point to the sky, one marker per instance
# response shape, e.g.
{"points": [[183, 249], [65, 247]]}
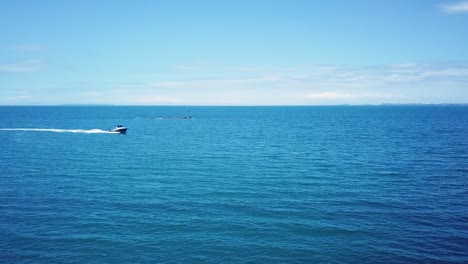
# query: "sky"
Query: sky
{"points": [[233, 52]]}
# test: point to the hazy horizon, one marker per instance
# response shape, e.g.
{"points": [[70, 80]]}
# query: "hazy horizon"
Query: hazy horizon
{"points": [[214, 105]]}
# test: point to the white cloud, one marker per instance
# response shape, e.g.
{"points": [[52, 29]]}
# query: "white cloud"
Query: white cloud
{"points": [[15, 98], [403, 65], [214, 82], [28, 48], [317, 76], [321, 84], [329, 95], [168, 84], [305, 85], [23, 66], [450, 72], [19, 98], [151, 99], [345, 95], [186, 67], [191, 67], [459, 7], [92, 93]]}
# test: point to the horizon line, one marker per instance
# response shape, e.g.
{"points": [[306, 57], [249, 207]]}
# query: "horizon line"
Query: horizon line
{"points": [[285, 105]]}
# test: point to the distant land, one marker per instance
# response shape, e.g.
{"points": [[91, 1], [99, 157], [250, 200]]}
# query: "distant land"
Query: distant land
{"points": [[421, 104], [83, 105]]}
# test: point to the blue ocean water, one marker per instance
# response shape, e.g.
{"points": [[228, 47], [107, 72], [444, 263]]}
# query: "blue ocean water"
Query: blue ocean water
{"points": [[331, 184]]}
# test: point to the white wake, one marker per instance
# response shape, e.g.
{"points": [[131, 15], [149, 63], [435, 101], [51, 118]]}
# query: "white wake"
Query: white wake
{"points": [[86, 131]]}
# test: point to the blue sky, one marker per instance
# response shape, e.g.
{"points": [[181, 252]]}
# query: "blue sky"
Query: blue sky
{"points": [[233, 52]]}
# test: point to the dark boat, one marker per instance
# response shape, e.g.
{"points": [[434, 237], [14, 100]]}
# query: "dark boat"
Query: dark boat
{"points": [[120, 129]]}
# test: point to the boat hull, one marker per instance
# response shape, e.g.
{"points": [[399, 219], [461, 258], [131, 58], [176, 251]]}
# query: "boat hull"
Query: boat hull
{"points": [[121, 130]]}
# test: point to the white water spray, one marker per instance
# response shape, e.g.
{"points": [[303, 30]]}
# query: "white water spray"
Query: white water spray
{"points": [[86, 131]]}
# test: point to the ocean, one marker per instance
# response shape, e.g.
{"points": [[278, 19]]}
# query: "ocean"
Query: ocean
{"points": [[318, 184]]}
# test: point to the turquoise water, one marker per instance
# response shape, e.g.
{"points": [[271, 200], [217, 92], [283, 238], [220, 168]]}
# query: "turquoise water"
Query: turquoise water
{"points": [[337, 184]]}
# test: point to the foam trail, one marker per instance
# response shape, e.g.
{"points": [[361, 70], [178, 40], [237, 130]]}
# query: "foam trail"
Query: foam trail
{"points": [[86, 131]]}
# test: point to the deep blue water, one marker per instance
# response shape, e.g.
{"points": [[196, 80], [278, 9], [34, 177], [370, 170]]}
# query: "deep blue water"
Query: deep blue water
{"points": [[337, 184]]}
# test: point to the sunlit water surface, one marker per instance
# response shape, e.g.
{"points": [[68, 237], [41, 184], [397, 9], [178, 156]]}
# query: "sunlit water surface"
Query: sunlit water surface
{"points": [[338, 184]]}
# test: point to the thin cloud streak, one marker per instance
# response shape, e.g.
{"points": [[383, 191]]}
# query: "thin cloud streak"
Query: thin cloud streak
{"points": [[23, 66], [332, 76], [344, 95], [28, 48], [321, 85], [19, 98], [196, 82], [460, 7]]}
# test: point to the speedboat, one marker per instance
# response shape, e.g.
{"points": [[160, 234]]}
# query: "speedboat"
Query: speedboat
{"points": [[120, 129]]}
